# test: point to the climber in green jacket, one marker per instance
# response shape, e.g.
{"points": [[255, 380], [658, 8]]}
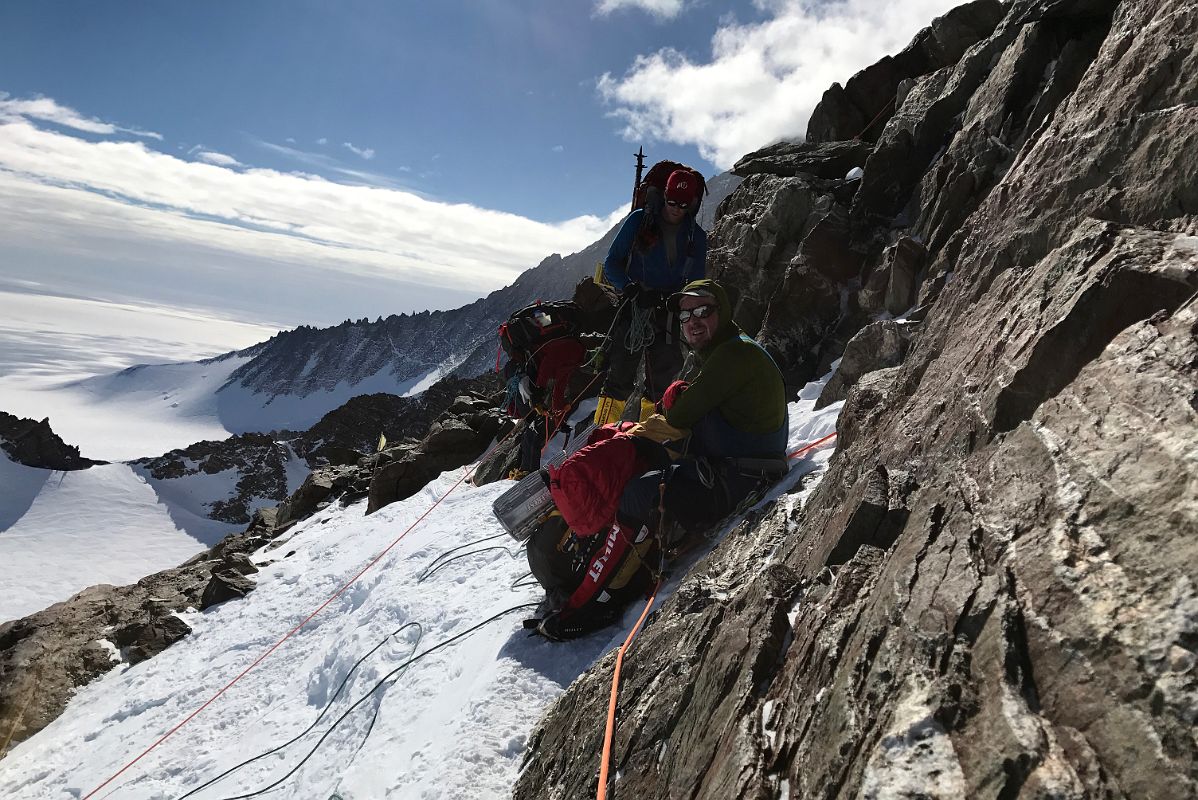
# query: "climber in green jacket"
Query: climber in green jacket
{"points": [[733, 403], [736, 403]]}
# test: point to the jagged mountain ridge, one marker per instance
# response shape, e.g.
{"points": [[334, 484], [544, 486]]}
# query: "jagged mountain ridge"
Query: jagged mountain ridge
{"points": [[297, 376], [408, 347]]}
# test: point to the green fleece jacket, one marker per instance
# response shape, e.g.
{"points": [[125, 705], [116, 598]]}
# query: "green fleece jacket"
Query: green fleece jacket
{"points": [[736, 376]]}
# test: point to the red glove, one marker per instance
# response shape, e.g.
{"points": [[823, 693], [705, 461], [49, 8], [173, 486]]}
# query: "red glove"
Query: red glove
{"points": [[672, 393]]}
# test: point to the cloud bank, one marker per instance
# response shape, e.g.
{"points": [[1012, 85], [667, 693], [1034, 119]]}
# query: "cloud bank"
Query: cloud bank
{"points": [[763, 79], [65, 196], [45, 109]]}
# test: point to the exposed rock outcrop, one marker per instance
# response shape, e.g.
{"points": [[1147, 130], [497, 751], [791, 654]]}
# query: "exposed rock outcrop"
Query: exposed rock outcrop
{"points": [[34, 444], [255, 465], [347, 434], [879, 345], [791, 159], [863, 105], [451, 442], [992, 592], [46, 656]]}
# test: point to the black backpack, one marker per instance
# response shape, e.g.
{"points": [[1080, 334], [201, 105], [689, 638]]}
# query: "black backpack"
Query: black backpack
{"points": [[532, 326]]}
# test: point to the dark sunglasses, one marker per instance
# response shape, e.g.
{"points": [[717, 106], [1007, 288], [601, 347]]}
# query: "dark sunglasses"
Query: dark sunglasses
{"points": [[680, 206], [700, 312]]}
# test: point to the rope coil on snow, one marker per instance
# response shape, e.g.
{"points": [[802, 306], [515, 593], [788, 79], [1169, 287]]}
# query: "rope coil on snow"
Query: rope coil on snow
{"points": [[323, 711], [376, 687]]}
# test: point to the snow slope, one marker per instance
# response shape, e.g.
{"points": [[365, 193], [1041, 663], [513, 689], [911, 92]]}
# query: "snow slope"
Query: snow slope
{"points": [[148, 410], [451, 725], [61, 532], [48, 342]]}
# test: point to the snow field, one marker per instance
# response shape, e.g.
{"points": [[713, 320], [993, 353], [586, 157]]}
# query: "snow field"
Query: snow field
{"points": [[452, 725], [61, 532]]}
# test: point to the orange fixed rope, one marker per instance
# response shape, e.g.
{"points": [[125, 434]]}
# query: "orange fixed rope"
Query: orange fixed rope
{"points": [[290, 633], [873, 121], [609, 732], [812, 446]]}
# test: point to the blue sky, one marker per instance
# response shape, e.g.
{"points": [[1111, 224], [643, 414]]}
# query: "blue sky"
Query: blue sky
{"points": [[487, 102], [308, 161]]}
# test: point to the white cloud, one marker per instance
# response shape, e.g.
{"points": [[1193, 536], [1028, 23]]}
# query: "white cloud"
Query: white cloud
{"points": [[365, 152], [327, 164], [68, 199], [289, 140], [764, 79], [322, 140], [558, 148], [219, 159], [45, 109], [666, 9]]}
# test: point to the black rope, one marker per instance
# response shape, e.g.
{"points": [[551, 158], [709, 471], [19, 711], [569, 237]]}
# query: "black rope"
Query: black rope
{"points": [[433, 565], [428, 573], [523, 582], [376, 687], [323, 711]]}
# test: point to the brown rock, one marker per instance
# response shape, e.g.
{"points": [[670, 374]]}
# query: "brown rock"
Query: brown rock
{"points": [[863, 105], [878, 345], [831, 160]]}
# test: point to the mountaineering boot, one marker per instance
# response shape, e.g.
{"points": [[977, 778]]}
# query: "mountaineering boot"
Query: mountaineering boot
{"points": [[609, 410], [648, 409]]}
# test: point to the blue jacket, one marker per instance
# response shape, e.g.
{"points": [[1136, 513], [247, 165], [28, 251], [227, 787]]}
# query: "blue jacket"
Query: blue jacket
{"points": [[651, 268]]}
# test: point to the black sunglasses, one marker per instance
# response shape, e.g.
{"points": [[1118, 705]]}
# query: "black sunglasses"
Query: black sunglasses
{"points": [[699, 312], [680, 206]]}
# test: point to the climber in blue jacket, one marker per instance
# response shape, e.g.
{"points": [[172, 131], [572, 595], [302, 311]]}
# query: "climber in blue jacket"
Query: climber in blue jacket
{"points": [[652, 257]]}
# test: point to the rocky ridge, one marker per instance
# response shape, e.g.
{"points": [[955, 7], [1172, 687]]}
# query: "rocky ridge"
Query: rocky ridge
{"points": [[35, 444], [409, 346], [262, 467], [992, 592]]}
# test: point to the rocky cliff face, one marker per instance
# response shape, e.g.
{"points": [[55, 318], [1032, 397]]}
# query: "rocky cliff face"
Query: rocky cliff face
{"points": [[992, 593], [348, 433], [254, 467]]}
